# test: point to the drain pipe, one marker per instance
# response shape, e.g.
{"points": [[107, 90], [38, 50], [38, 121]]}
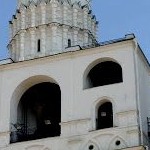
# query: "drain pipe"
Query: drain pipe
{"points": [[139, 119]]}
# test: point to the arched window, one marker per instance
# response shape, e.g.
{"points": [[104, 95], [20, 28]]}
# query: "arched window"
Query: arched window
{"points": [[104, 73], [104, 116], [39, 113]]}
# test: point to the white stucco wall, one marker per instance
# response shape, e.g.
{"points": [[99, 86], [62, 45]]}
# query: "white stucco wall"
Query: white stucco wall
{"points": [[78, 104], [143, 88]]}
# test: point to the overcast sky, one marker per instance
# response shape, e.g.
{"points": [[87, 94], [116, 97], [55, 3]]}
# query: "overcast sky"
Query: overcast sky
{"points": [[116, 18]]}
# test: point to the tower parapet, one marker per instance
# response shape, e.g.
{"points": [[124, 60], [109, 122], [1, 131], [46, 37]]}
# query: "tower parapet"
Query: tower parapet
{"points": [[41, 28]]}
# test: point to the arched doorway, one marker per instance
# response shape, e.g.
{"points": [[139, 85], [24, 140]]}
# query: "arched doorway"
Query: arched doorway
{"points": [[39, 112], [104, 116]]}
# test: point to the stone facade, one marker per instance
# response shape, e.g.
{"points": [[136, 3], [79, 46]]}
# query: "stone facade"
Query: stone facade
{"points": [[41, 28]]}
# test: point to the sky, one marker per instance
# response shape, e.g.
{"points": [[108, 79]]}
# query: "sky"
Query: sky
{"points": [[116, 19]]}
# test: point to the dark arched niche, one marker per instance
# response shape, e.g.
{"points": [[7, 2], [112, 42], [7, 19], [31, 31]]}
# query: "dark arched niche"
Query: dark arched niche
{"points": [[104, 73], [39, 112], [104, 116]]}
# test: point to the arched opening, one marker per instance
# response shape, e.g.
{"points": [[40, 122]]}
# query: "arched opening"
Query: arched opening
{"points": [[104, 73], [38, 113], [104, 116]]}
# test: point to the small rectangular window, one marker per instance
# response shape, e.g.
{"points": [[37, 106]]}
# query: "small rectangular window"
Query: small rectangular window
{"points": [[39, 46], [69, 43]]}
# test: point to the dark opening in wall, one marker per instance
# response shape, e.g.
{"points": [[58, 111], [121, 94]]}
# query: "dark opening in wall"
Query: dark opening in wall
{"points": [[69, 42], [104, 73], [39, 45], [39, 113], [105, 116], [91, 147], [117, 142]]}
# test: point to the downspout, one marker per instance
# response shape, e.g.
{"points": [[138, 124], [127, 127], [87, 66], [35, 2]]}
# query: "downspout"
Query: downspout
{"points": [[139, 120]]}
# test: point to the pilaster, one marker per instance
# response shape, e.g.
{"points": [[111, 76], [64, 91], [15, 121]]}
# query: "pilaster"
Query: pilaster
{"points": [[89, 22], [33, 17], [43, 12], [33, 41], [48, 40], [23, 17], [13, 49], [43, 38], [85, 18], [54, 7], [17, 47], [14, 27], [75, 35], [18, 21], [10, 30], [22, 45], [85, 38], [54, 27], [75, 16], [65, 36]]}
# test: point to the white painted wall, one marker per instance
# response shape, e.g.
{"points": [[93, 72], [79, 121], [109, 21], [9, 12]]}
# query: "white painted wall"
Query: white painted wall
{"points": [[143, 88], [53, 23], [78, 104]]}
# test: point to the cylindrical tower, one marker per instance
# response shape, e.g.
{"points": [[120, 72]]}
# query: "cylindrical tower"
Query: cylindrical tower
{"points": [[45, 27]]}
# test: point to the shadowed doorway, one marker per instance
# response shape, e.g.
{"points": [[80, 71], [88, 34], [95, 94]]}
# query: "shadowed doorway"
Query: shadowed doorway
{"points": [[39, 112], [105, 116]]}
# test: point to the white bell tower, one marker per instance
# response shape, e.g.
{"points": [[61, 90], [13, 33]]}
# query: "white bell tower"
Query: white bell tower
{"points": [[41, 28]]}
